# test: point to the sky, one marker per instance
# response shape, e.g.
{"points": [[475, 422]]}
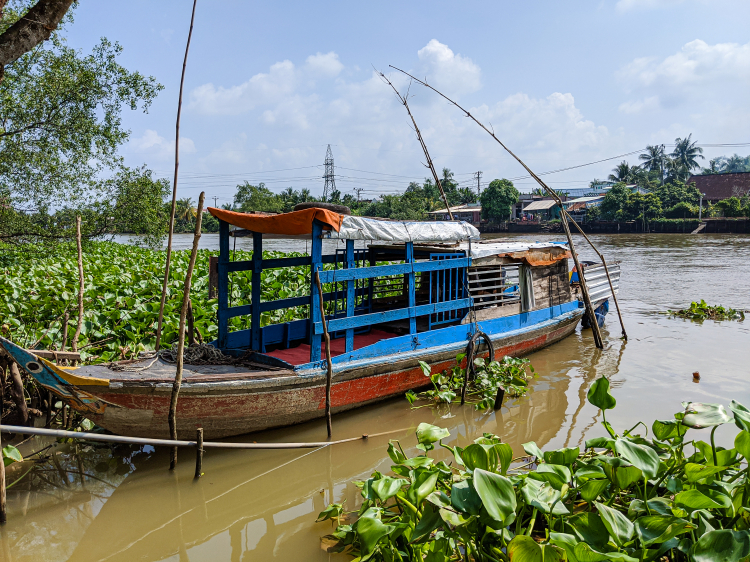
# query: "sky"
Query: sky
{"points": [[269, 85]]}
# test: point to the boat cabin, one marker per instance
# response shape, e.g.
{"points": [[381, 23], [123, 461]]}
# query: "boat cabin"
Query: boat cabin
{"points": [[388, 286]]}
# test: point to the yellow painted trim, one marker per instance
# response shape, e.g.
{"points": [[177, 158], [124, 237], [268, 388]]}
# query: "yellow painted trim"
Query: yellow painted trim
{"points": [[74, 379]]}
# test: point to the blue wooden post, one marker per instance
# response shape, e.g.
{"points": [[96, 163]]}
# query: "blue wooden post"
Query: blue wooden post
{"points": [[316, 255], [412, 289], [222, 318], [255, 343], [350, 294]]}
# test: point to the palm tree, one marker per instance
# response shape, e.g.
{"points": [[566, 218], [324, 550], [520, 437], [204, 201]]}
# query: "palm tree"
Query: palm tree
{"points": [[715, 166], [184, 209], [653, 158], [620, 173], [685, 154], [735, 164]]}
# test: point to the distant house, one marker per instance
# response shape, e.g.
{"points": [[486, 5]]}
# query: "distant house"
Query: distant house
{"points": [[716, 187], [470, 213], [543, 208], [579, 207]]}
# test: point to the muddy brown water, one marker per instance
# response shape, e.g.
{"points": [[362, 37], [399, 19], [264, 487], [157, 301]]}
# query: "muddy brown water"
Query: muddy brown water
{"points": [[97, 503]]}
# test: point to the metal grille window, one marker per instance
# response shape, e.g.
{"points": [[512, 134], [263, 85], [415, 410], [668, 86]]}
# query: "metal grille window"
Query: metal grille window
{"points": [[447, 285], [494, 285]]}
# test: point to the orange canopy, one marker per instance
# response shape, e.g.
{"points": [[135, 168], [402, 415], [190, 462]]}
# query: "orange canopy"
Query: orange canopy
{"points": [[292, 224]]}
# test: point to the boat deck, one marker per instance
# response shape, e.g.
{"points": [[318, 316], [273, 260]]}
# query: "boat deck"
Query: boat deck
{"points": [[160, 371], [301, 354]]}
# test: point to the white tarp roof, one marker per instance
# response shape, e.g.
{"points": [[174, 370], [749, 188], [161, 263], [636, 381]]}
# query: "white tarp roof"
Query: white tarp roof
{"points": [[364, 228], [587, 199], [540, 205], [484, 250]]}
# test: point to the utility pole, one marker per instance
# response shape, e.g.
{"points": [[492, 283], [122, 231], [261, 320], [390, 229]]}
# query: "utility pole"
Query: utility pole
{"points": [[478, 175], [330, 183], [358, 190], [700, 208], [215, 199]]}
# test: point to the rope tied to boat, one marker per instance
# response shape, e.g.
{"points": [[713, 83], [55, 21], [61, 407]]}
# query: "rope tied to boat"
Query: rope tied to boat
{"points": [[199, 354]]}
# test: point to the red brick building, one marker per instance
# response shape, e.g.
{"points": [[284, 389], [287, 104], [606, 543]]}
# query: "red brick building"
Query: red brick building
{"points": [[716, 187]]}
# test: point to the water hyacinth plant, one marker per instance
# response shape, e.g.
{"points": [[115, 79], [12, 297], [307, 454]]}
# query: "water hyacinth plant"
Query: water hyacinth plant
{"points": [[703, 311], [512, 374], [625, 497]]}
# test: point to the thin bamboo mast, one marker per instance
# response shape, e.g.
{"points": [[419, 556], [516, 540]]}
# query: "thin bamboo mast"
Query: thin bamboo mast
{"points": [[421, 142], [174, 186], [79, 248], [604, 263], [181, 333], [584, 289]]}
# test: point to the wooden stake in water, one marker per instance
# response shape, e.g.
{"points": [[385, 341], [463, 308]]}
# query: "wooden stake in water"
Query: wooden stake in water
{"points": [[199, 453], [329, 372], [181, 331]]}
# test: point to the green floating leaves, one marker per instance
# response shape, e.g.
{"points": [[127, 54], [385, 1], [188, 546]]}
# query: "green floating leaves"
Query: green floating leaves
{"points": [[620, 528], [741, 415], [11, 455], [722, 546], [600, 396], [656, 529], [699, 415], [428, 434], [497, 495], [640, 456]]}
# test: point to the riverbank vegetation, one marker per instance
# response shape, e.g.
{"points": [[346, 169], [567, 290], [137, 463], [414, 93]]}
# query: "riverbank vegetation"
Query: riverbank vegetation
{"points": [[624, 498], [121, 299]]}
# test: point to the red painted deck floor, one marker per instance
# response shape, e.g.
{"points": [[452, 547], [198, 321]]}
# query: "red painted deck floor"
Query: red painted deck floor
{"points": [[301, 354]]}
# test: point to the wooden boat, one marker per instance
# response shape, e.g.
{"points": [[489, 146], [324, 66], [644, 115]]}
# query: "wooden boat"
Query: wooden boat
{"points": [[396, 293]]}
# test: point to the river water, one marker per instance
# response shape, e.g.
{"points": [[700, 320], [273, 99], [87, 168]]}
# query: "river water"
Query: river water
{"points": [[96, 503]]}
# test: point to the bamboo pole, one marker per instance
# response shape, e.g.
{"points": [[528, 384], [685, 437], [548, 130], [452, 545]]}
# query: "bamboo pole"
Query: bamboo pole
{"points": [[604, 263], [83, 436], [3, 498], [77, 334], [430, 165], [174, 187], [329, 371], [584, 289], [181, 331]]}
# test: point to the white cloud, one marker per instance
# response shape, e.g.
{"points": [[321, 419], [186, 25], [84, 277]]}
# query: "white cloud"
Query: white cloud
{"points": [[697, 62], [639, 106], [627, 5], [325, 65], [156, 147], [260, 89], [447, 71]]}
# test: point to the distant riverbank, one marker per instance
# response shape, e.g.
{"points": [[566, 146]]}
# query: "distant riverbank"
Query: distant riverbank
{"points": [[670, 226]]}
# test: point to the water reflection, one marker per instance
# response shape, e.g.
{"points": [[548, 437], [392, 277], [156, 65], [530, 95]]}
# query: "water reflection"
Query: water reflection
{"points": [[92, 505]]}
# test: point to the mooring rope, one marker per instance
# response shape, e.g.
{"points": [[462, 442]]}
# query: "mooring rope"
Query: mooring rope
{"points": [[199, 354]]}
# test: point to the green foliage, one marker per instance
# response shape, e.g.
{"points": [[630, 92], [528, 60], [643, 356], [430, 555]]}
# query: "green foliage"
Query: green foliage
{"points": [[703, 311], [253, 198], [681, 210], [734, 207], [11, 455], [498, 199], [60, 131], [614, 201], [121, 299], [673, 193], [511, 373], [625, 498]]}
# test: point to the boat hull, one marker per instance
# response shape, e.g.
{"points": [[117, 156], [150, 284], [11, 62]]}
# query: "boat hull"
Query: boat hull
{"points": [[229, 408]]}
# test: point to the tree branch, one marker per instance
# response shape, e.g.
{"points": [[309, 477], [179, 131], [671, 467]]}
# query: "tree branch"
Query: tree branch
{"points": [[33, 28]]}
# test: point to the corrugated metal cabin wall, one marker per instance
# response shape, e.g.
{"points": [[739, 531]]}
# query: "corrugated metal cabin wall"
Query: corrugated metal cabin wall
{"points": [[551, 284]]}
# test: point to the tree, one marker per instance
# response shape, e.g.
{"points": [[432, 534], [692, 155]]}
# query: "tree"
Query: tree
{"points": [[614, 202], [643, 206], [682, 210], [466, 196], [715, 166], [734, 207], [497, 200], [674, 192], [21, 34], [685, 156], [257, 198], [621, 173], [60, 124], [736, 164], [653, 158]]}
